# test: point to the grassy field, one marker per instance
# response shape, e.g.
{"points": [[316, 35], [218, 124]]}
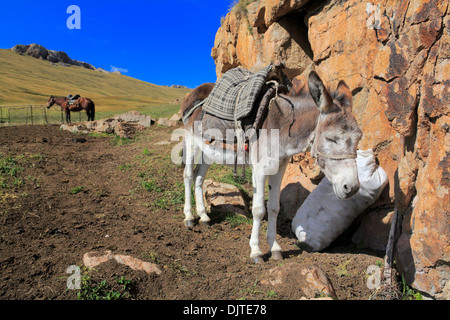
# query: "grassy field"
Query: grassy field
{"points": [[25, 80], [41, 115]]}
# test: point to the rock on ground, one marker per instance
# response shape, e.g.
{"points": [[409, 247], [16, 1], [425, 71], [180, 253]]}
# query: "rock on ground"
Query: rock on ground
{"points": [[311, 280], [224, 197], [93, 259]]}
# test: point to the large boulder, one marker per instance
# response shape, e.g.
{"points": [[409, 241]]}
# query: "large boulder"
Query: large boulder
{"points": [[224, 197], [125, 125], [134, 116]]}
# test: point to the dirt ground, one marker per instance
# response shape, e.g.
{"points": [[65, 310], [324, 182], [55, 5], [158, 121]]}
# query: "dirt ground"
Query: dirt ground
{"points": [[65, 194]]}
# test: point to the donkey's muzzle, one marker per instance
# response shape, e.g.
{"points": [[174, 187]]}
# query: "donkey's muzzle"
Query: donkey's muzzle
{"points": [[350, 191]]}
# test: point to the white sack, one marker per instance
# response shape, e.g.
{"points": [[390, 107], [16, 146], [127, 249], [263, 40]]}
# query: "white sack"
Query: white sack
{"points": [[323, 217]]}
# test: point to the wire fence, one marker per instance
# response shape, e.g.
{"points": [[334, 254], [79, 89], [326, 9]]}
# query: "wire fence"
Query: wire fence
{"points": [[35, 115]]}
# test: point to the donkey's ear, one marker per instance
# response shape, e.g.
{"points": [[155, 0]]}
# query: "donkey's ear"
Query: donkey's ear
{"points": [[344, 94], [319, 93]]}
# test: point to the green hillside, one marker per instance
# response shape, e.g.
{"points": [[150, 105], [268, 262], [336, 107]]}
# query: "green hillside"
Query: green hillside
{"points": [[26, 80]]}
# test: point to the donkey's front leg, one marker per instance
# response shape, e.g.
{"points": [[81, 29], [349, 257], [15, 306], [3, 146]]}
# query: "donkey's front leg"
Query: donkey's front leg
{"points": [[273, 207], [258, 212]]}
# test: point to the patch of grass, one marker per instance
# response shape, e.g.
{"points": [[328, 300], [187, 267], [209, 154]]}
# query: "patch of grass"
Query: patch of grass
{"points": [[9, 166], [409, 293], [146, 152], [99, 134], [91, 290], [271, 294], [125, 167], [76, 190], [169, 198], [252, 292], [151, 185], [178, 267], [5, 196], [119, 141], [235, 220], [152, 256]]}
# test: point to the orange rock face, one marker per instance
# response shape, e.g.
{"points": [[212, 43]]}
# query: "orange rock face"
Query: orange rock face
{"points": [[245, 40], [394, 55]]}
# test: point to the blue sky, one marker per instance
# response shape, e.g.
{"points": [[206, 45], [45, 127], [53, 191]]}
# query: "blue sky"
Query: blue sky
{"points": [[162, 42]]}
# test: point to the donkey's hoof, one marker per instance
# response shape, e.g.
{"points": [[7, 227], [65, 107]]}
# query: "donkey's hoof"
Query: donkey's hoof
{"points": [[258, 260], [277, 255], [205, 223], [189, 224]]}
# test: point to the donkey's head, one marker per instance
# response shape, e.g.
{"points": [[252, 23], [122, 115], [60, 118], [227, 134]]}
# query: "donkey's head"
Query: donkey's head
{"points": [[50, 102], [337, 136]]}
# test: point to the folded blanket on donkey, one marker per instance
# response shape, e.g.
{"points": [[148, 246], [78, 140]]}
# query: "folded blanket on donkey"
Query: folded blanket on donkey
{"points": [[236, 92]]}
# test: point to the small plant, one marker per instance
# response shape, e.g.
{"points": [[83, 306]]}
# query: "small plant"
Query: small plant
{"points": [[341, 270], [152, 256], [9, 166], [240, 6], [9, 170], [125, 167], [151, 185], [250, 292], [146, 152], [271, 294], [76, 190], [91, 290], [408, 293]]}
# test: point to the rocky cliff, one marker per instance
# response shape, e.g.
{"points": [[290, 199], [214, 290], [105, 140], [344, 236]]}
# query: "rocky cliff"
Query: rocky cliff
{"points": [[394, 55], [39, 52]]}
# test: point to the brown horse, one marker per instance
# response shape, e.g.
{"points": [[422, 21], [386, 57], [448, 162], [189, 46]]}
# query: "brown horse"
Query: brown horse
{"points": [[85, 104]]}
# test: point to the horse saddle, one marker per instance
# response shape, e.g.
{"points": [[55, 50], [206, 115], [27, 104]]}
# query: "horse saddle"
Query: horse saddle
{"points": [[73, 99]]}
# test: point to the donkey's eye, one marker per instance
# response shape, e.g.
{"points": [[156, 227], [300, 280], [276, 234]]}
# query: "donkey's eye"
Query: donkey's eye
{"points": [[331, 140]]}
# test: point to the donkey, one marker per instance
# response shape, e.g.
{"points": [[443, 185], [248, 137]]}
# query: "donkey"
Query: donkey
{"points": [[82, 104], [319, 120]]}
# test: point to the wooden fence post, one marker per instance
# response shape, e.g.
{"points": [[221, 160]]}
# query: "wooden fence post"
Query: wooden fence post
{"points": [[45, 116]]}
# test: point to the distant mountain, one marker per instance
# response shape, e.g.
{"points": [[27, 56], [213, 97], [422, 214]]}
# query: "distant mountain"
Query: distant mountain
{"points": [[39, 52], [36, 73]]}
